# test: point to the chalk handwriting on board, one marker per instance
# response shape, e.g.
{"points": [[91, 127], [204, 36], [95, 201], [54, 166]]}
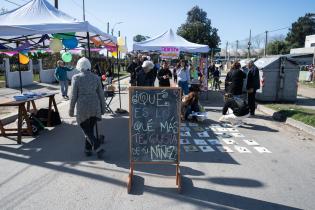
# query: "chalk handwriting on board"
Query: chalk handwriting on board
{"points": [[154, 124], [157, 99], [160, 152]]}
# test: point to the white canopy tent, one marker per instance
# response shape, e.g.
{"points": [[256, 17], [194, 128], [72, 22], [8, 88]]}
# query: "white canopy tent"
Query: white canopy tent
{"points": [[31, 23], [39, 17], [170, 39]]}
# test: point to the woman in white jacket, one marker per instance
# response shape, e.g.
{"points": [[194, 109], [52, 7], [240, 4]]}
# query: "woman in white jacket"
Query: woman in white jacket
{"points": [[88, 97]]}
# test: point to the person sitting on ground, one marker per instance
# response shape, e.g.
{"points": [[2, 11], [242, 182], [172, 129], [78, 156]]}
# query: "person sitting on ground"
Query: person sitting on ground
{"points": [[164, 75], [145, 76], [88, 97], [62, 78], [189, 105], [238, 105]]}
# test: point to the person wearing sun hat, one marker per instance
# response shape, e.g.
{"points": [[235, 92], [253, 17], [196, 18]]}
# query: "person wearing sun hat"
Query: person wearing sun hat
{"points": [[88, 97], [145, 75]]}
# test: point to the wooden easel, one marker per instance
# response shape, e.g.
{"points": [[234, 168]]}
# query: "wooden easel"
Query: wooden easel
{"points": [[133, 163], [131, 173]]}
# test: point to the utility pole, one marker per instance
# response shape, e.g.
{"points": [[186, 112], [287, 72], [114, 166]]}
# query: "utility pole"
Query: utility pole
{"points": [[249, 42], [56, 4], [236, 49], [226, 47], [83, 10], [266, 43]]}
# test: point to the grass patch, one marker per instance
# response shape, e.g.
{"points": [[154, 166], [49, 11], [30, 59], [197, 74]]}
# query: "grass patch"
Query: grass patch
{"points": [[36, 77], [308, 84], [304, 115]]}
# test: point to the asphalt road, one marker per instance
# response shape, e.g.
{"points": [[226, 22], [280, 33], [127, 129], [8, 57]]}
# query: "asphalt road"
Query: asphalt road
{"points": [[51, 171]]}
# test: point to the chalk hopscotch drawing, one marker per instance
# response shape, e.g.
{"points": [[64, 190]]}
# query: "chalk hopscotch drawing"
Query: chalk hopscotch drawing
{"points": [[200, 142], [203, 134]]}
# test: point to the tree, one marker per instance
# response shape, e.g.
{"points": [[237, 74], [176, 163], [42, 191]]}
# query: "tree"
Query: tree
{"points": [[140, 38], [304, 26], [198, 29], [278, 47]]}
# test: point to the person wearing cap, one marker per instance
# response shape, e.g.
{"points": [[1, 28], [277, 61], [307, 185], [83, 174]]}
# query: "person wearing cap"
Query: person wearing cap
{"points": [[88, 97], [61, 77], [145, 75]]}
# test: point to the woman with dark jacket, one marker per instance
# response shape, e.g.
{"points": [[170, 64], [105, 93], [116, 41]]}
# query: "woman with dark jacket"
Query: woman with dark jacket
{"points": [[164, 75], [253, 84], [234, 80], [97, 71]]}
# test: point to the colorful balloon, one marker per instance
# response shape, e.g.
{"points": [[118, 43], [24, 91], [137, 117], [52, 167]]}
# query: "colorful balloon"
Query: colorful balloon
{"points": [[66, 57], [114, 54], [96, 41], [55, 45], [120, 41], [70, 43], [64, 35], [23, 59]]}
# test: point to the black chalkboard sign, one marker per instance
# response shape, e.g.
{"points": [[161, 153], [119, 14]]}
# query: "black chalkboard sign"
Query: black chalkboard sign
{"points": [[154, 124]]}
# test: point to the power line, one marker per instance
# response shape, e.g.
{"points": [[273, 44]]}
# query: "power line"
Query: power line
{"points": [[88, 12], [13, 3], [279, 29], [269, 31]]}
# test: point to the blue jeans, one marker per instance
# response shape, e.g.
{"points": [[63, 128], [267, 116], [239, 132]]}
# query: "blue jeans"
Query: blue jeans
{"points": [[184, 86], [64, 87]]}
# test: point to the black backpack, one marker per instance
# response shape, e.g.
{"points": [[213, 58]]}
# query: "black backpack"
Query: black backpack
{"points": [[42, 115], [36, 124]]}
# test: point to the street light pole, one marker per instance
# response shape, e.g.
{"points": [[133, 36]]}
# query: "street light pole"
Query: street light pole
{"points": [[115, 26], [56, 4], [249, 42], [83, 10]]}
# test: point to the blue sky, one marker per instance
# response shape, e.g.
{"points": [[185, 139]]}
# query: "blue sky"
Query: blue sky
{"points": [[233, 18]]}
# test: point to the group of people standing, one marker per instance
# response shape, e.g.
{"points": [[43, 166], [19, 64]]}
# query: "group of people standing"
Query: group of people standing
{"points": [[235, 88], [144, 72]]}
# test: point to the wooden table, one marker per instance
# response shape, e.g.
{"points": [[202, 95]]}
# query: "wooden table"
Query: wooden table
{"points": [[23, 108]]}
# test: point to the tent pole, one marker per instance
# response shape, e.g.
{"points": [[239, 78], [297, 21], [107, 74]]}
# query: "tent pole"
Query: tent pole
{"points": [[19, 68], [88, 45]]}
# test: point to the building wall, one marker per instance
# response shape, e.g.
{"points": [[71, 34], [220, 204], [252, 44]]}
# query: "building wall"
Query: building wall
{"points": [[310, 41]]}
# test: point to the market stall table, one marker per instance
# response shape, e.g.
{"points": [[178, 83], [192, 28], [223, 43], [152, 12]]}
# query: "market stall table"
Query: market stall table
{"points": [[23, 109]]}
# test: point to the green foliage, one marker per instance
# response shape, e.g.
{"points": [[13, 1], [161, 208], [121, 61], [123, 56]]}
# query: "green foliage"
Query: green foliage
{"points": [[304, 115], [140, 38], [198, 29], [304, 26], [278, 47]]}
